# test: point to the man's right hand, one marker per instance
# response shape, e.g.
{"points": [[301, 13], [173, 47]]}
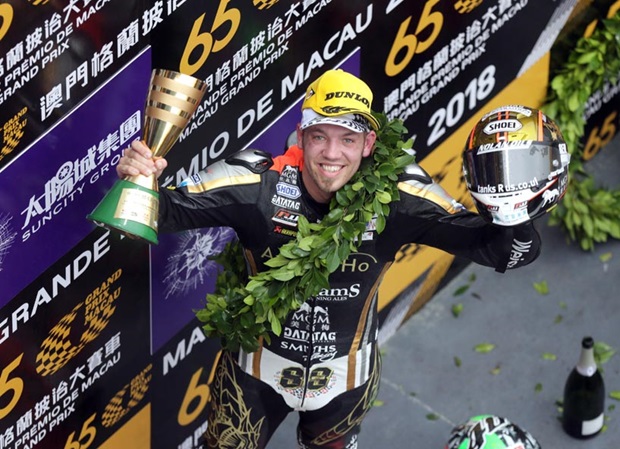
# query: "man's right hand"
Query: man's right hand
{"points": [[138, 160]]}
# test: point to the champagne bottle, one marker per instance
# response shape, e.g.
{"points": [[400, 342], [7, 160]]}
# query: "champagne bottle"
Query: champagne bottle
{"points": [[584, 396]]}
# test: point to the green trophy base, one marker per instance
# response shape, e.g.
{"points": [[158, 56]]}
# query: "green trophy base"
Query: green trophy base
{"points": [[130, 209]]}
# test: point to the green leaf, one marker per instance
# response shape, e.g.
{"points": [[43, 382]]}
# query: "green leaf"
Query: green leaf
{"points": [[615, 395], [276, 326], [334, 215], [357, 186], [484, 347], [549, 356], [541, 287], [384, 197], [574, 101], [538, 388], [319, 280], [278, 261], [432, 416], [333, 261], [586, 58], [457, 309], [305, 243], [606, 257], [457, 362], [380, 223], [459, 291], [603, 352], [303, 225], [283, 275]]}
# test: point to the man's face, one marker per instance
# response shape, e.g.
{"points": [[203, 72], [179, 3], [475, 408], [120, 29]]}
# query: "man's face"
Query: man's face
{"points": [[332, 155]]}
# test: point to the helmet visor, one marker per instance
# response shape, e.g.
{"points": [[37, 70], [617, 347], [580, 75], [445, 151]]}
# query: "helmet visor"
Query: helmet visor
{"points": [[501, 168]]}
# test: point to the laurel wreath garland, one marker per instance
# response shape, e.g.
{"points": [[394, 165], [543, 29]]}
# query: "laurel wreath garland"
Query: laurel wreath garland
{"points": [[243, 309], [587, 213]]}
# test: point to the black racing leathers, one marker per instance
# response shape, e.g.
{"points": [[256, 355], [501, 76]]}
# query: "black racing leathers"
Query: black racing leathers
{"points": [[328, 347]]}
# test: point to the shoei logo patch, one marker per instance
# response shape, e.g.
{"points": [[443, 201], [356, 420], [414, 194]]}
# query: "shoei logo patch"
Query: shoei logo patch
{"points": [[502, 126], [288, 190]]}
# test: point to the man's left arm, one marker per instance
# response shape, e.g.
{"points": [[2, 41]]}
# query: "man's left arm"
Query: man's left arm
{"points": [[428, 215]]}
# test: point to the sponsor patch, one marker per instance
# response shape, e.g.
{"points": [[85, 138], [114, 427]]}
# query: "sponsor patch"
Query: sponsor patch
{"points": [[499, 146], [518, 252], [288, 190], [285, 203], [286, 218], [372, 224], [367, 236], [502, 126], [193, 180], [284, 231], [289, 175]]}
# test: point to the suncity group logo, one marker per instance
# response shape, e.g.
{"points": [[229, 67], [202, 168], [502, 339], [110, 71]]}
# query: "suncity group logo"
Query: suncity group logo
{"points": [[465, 6], [189, 266], [7, 237]]}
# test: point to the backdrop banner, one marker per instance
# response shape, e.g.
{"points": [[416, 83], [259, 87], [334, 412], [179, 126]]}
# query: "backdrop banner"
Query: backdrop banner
{"points": [[99, 344]]}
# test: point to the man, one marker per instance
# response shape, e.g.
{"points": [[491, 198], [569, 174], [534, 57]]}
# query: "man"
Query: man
{"points": [[325, 364]]}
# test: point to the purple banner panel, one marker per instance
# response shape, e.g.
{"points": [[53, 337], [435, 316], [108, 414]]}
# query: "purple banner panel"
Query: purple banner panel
{"points": [[46, 193], [53, 55]]}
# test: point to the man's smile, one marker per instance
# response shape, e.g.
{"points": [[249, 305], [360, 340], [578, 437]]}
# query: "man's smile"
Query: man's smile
{"points": [[331, 168]]}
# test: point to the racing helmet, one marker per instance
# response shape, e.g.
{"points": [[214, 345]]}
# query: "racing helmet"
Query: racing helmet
{"points": [[490, 432], [515, 165]]}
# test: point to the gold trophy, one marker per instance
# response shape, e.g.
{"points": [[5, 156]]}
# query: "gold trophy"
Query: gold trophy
{"points": [[132, 205]]}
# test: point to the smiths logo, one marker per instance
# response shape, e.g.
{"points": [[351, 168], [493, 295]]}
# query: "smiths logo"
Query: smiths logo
{"points": [[286, 218]]}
